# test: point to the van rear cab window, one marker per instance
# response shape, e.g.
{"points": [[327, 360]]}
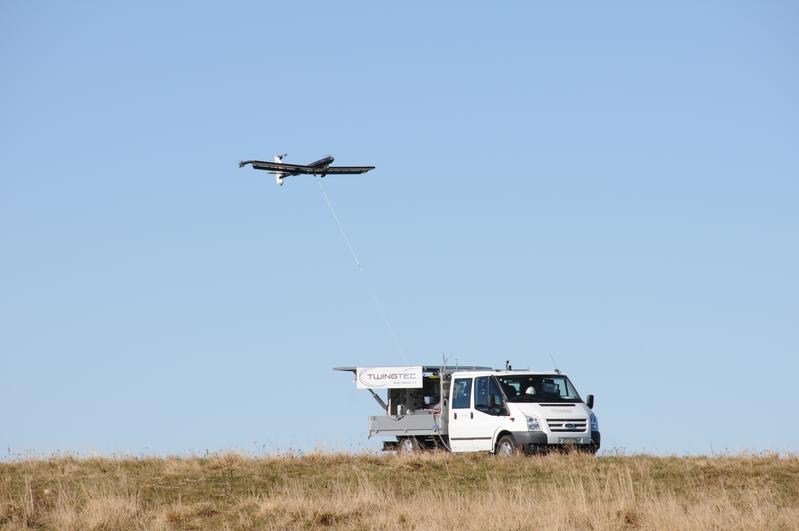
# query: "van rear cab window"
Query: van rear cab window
{"points": [[462, 395]]}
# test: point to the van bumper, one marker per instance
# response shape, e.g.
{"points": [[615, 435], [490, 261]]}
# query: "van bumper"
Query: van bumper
{"points": [[528, 441], [531, 442]]}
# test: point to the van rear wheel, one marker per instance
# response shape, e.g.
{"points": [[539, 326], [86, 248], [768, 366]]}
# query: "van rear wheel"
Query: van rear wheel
{"points": [[506, 446], [408, 445]]}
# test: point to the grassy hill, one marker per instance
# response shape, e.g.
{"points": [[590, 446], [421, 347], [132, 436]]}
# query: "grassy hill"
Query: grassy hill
{"points": [[429, 491]]}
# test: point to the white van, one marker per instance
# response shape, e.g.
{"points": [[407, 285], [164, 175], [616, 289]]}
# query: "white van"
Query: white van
{"points": [[478, 409]]}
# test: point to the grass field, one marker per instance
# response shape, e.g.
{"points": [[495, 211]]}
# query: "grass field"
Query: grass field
{"points": [[429, 491]]}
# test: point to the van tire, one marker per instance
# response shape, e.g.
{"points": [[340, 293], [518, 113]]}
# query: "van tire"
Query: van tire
{"points": [[506, 445], [408, 445]]}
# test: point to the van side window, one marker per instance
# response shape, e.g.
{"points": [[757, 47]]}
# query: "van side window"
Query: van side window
{"points": [[462, 395], [484, 387], [493, 389], [481, 393]]}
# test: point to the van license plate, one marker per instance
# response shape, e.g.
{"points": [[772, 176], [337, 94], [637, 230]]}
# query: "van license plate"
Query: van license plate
{"points": [[570, 440]]}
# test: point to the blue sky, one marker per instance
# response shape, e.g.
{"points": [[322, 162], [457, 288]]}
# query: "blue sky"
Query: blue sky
{"points": [[614, 185]]}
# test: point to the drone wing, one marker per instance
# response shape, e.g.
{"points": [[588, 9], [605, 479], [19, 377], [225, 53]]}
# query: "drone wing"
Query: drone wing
{"points": [[276, 167], [296, 169], [341, 170]]}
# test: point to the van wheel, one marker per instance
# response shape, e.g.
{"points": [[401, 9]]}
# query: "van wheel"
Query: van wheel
{"points": [[506, 446], [408, 445]]}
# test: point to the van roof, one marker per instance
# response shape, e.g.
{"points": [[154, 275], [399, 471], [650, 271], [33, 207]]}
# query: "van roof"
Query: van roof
{"points": [[504, 372], [459, 368]]}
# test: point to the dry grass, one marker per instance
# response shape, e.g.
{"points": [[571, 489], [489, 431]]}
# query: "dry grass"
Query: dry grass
{"points": [[431, 491]]}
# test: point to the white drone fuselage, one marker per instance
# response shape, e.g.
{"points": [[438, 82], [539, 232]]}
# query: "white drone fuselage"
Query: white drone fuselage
{"points": [[279, 176]]}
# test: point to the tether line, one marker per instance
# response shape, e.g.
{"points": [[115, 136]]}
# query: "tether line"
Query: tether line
{"points": [[362, 271]]}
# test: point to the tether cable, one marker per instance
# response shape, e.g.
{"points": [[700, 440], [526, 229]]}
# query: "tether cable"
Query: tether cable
{"points": [[362, 271]]}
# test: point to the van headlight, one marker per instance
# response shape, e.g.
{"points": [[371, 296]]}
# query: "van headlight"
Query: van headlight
{"points": [[594, 421], [533, 424]]}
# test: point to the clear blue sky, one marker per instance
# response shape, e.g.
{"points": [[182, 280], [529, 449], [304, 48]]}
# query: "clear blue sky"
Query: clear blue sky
{"points": [[613, 184]]}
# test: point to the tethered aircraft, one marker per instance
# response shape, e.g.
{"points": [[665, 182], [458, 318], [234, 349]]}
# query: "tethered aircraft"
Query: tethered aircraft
{"points": [[320, 167]]}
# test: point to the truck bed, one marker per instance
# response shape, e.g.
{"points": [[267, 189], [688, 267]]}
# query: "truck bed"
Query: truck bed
{"points": [[409, 424]]}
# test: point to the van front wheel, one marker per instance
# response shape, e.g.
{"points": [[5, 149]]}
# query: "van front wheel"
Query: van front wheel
{"points": [[506, 446]]}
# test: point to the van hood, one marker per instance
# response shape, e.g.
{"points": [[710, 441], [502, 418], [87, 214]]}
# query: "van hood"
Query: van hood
{"points": [[550, 410]]}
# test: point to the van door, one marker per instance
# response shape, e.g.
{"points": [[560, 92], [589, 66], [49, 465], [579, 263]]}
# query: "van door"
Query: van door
{"points": [[489, 412], [461, 416]]}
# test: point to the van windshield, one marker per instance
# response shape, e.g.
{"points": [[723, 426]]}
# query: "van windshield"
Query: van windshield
{"points": [[538, 388]]}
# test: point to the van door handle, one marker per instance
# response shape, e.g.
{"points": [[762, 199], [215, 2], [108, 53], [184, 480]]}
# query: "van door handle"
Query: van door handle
{"points": [[455, 416], [471, 414]]}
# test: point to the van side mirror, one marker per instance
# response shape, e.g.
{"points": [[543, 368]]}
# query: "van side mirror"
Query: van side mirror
{"points": [[590, 401], [491, 403]]}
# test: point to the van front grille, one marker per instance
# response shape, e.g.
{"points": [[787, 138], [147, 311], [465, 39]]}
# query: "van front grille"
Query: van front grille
{"points": [[567, 425]]}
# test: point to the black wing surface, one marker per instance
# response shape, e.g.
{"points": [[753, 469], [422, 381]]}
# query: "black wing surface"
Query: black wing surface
{"points": [[296, 169], [333, 170], [274, 166]]}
